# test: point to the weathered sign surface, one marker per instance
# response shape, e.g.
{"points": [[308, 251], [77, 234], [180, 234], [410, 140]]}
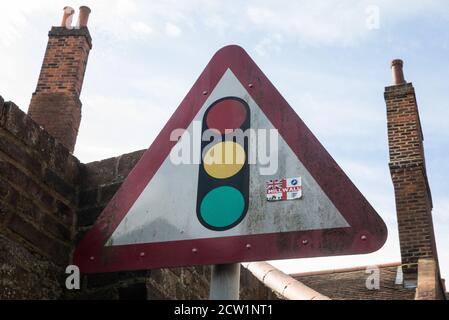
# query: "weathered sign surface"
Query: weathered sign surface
{"points": [[203, 195]]}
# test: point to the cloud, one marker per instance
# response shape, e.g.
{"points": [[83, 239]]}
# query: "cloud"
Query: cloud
{"points": [[337, 23], [10, 32], [126, 7], [269, 45], [172, 30], [216, 22], [17, 17], [307, 22], [140, 123], [441, 226], [141, 28], [312, 23]]}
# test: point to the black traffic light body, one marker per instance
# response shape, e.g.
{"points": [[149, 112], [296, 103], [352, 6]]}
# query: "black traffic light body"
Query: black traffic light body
{"points": [[222, 202]]}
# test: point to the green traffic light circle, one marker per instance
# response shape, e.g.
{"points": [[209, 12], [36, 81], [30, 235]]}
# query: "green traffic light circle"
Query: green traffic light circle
{"points": [[222, 208]]}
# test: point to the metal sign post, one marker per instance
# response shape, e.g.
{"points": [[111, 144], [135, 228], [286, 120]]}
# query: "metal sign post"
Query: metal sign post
{"points": [[225, 282]]}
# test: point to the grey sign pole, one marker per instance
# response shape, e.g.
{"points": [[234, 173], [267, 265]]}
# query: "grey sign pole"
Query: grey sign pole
{"points": [[225, 282]]}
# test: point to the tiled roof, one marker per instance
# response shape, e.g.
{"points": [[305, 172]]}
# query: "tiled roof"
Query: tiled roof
{"points": [[350, 284]]}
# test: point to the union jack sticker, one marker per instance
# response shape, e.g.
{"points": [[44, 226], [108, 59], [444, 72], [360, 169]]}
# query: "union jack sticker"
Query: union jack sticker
{"points": [[284, 189]]}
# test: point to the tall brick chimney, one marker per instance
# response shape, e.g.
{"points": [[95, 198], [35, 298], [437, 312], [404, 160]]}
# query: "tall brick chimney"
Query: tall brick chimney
{"points": [[56, 104], [408, 172]]}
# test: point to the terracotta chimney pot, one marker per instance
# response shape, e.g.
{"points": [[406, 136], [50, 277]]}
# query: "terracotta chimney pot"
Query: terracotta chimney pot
{"points": [[83, 17], [68, 17], [398, 73]]}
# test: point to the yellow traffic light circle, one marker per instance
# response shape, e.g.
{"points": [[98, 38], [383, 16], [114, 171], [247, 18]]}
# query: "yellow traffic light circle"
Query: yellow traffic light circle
{"points": [[224, 160]]}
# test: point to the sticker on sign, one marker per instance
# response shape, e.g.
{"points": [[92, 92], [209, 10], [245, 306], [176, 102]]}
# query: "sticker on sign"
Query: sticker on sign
{"points": [[284, 189]]}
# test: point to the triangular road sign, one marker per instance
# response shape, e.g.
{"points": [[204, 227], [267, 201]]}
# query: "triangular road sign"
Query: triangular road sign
{"points": [[170, 213]]}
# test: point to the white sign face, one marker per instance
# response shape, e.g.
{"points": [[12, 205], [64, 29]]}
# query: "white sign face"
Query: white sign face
{"points": [[284, 189], [148, 222]]}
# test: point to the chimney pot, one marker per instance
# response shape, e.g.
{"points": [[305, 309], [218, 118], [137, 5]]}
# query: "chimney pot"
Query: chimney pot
{"points": [[67, 17], [83, 17], [398, 73]]}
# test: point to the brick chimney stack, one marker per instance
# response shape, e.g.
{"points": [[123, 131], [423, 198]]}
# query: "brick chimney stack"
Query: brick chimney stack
{"points": [[408, 172], [56, 104]]}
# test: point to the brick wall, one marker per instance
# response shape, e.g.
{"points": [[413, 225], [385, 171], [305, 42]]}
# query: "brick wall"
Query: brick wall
{"points": [[408, 171], [55, 105], [38, 199], [99, 181]]}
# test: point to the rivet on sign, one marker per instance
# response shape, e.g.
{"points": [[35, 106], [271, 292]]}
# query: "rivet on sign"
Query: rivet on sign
{"points": [[92, 258], [251, 85], [142, 254], [305, 242], [195, 250], [205, 93], [364, 238], [248, 246]]}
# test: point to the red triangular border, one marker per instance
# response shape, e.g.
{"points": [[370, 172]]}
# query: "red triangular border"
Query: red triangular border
{"points": [[367, 233]]}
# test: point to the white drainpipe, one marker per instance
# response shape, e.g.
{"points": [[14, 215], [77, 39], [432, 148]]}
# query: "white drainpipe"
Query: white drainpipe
{"points": [[282, 283]]}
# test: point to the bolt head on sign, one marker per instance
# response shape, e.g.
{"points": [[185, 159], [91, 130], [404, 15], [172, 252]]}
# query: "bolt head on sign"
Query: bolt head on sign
{"points": [[234, 176]]}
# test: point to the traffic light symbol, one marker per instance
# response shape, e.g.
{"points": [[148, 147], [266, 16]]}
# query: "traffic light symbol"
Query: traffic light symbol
{"points": [[223, 184]]}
